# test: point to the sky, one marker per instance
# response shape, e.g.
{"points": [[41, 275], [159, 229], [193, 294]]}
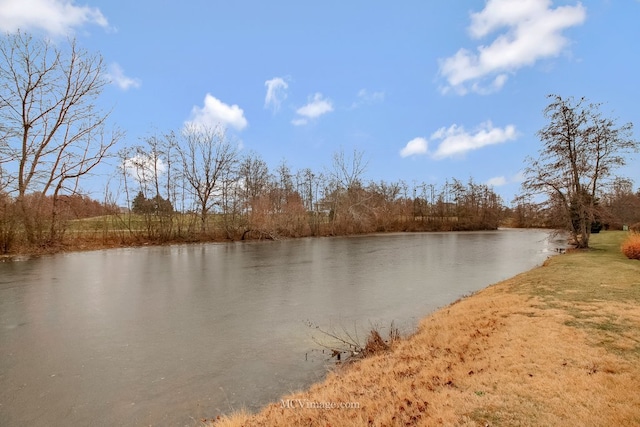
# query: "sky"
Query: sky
{"points": [[426, 90]]}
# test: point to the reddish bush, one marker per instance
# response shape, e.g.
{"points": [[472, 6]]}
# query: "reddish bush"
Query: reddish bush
{"points": [[631, 247]]}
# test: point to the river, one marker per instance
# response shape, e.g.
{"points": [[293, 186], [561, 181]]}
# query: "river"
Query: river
{"points": [[169, 335]]}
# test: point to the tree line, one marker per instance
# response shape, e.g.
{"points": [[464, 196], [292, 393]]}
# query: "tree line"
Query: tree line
{"points": [[196, 185], [617, 207], [228, 196]]}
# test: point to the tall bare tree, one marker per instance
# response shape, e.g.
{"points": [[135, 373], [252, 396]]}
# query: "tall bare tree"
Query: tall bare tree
{"points": [[346, 181], [580, 149], [254, 179], [347, 170], [152, 166], [53, 132], [207, 156]]}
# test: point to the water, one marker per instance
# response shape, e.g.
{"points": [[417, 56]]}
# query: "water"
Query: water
{"points": [[169, 335]]}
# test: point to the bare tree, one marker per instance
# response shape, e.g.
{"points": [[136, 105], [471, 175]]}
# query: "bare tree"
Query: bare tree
{"points": [[622, 206], [207, 157], [53, 131], [309, 187], [344, 189], [284, 185], [581, 148], [152, 166], [254, 178], [348, 170]]}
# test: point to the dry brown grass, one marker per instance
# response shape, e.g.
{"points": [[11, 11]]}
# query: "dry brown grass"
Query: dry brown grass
{"points": [[556, 346]]}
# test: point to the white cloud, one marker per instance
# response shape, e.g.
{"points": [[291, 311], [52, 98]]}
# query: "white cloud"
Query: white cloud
{"points": [[533, 32], [117, 77], [519, 177], [414, 147], [299, 122], [140, 167], [276, 93], [497, 181], [216, 112], [316, 107], [56, 17], [366, 97], [456, 141], [370, 96]]}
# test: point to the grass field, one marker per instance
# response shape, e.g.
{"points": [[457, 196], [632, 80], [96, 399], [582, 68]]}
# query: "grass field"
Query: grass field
{"points": [[108, 231], [556, 346]]}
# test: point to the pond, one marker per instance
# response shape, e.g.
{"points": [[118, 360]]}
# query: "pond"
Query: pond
{"points": [[169, 335]]}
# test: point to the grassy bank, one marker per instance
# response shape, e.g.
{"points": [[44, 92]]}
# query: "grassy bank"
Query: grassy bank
{"points": [[558, 345]]}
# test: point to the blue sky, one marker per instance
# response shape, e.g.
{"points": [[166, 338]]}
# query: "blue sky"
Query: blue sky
{"points": [[428, 90]]}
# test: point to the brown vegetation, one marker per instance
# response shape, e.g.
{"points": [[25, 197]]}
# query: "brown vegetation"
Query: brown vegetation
{"points": [[271, 207], [279, 208], [631, 246], [345, 346], [559, 345]]}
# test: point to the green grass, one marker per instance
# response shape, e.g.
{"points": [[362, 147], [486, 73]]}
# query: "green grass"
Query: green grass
{"points": [[137, 221], [599, 288], [601, 273]]}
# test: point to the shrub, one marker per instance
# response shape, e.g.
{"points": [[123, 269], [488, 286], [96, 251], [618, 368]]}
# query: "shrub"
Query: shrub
{"points": [[631, 246]]}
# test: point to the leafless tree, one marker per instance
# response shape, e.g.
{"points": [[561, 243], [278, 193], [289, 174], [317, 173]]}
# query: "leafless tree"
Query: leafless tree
{"points": [[53, 132], [207, 156], [153, 167], [346, 195], [581, 148], [347, 171], [254, 179], [621, 204], [283, 185]]}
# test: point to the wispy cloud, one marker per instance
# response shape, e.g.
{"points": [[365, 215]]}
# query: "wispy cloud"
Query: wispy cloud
{"points": [[455, 141], [497, 181], [519, 177], [276, 93], [55, 17], [117, 77], [215, 112], [366, 97], [316, 107], [532, 31], [414, 147]]}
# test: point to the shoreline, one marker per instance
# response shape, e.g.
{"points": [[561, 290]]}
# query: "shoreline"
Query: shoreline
{"points": [[94, 245], [557, 345]]}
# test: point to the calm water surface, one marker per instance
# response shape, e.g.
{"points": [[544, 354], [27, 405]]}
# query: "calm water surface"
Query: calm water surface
{"points": [[169, 335]]}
